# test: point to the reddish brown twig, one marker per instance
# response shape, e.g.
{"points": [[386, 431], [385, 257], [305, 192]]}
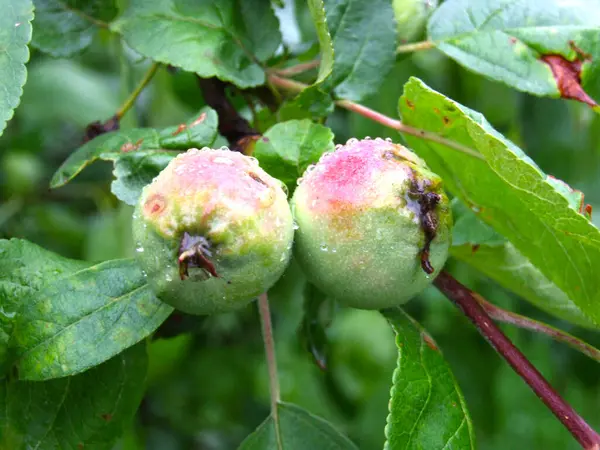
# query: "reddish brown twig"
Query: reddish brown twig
{"points": [[467, 302]]}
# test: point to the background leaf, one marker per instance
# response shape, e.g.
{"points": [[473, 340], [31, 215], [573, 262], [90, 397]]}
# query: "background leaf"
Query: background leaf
{"points": [[288, 148], [520, 34], [89, 410], [229, 39], [508, 191], [317, 12], [364, 42], [79, 320], [15, 34], [139, 154], [427, 408], [65, 27], [299, 430], [480, 246]]}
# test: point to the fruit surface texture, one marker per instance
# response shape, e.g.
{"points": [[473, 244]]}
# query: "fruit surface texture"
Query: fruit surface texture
{"points": [[213, 231], [373, 224]]}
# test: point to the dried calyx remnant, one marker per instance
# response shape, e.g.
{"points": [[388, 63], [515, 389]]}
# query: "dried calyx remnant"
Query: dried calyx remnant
{"points": [[373, 224], [213, 231]]}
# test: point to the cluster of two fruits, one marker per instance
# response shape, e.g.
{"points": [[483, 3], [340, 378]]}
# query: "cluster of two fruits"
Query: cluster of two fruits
{"points": [[370, 227]]}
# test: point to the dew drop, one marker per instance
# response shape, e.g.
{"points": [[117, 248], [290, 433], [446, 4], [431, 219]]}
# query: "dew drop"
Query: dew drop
{"points": [[140, 249], [295, 225], [310, 168], [324, 248], [334, 250], [225, 148], [253, 159], [367, 138], [338, 146], [282, 257], [387, 139], [223, 160], [168, 277], [351, 141]]}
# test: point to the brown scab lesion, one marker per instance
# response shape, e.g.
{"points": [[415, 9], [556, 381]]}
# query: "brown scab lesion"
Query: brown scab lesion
{"points": [[195, 251], [428, 218], [155, 204], [258, 179]]}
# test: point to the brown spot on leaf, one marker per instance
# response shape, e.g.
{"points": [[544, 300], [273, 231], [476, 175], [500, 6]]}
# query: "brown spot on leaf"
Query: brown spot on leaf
{"points": [[80, 445], [97, 128], [199, 120], [107, 417], [180, 128], [568, 78], [129, 147], [410, 104], [429, 341], [513, 40], [435, 110], [588, 211], [474, 248], [446, 120]]}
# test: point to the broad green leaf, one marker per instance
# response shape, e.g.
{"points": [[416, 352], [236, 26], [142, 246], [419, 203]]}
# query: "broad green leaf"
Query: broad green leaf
{"points": [[317, 11], [65, 27], [480, 246], [506, 40], [364, 42], [15, 34], [427, 408], [139, 154], [313, 328], [77, 321], [86, 411], [298, 430], [509, 192], [311, 103], [228, 39], [23, 269], [288, 148]]}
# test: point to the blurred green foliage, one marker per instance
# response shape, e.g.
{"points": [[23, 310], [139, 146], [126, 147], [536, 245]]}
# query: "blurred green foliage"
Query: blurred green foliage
{"points": [[207, 383]]}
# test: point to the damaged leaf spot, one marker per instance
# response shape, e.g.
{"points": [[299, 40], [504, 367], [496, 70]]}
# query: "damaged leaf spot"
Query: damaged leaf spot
{"points": [[410, 104], [429, 341], [129, 147], [179, 129], [199, 120], [568, 76]]}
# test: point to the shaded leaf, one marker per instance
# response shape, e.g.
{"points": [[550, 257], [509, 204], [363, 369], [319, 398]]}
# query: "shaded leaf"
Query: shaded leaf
{"points": [[480, 246], [427, 408], [364, 42], [313, 327], [89, 410], [227, 39], [288, 148], [139, 154], [15, 34], [83, 319], [299, 430], [510, 41], [508, 191], [65, 27]]}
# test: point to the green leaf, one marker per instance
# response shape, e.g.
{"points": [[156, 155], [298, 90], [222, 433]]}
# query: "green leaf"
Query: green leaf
{"points": [[509, 192], [313, 328], [364, 42], [88, 411], [65, 27], [317, 11], [427, 408], [229, 39], [139, 154], [15, 34], [480, 246], [81, 320], [298, 430], [310, 103], [23, 269], [507, 40], [288, 148]]}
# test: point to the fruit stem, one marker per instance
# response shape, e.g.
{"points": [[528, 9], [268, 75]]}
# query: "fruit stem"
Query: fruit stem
{"points": [[415, 47], [502, 315], [466, 301], [269, 342], [381, 118], [137, 91]]}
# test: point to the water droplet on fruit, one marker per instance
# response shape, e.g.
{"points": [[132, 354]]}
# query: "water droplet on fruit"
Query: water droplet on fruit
{"points": [[223, 160], [168, 277], [324, 248], [225, 148], [295, 225], [139, 249], [387, 139], [367, 138], [299, 180], [352, 141], [309, 169], [338, 146], [334, 250], [282, 257], [253, 159]]}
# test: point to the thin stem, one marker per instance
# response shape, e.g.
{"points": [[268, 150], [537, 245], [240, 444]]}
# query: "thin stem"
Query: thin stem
{"points": [[382, 119], [137, 91], [298, 69], [269, 342], [502, 315], [415, 47], [466, 301]]}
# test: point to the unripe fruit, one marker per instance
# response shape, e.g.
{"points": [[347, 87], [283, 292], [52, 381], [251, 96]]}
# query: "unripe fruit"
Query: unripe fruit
{"points": [[373, 224], [213, 231], [411, 18]]}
